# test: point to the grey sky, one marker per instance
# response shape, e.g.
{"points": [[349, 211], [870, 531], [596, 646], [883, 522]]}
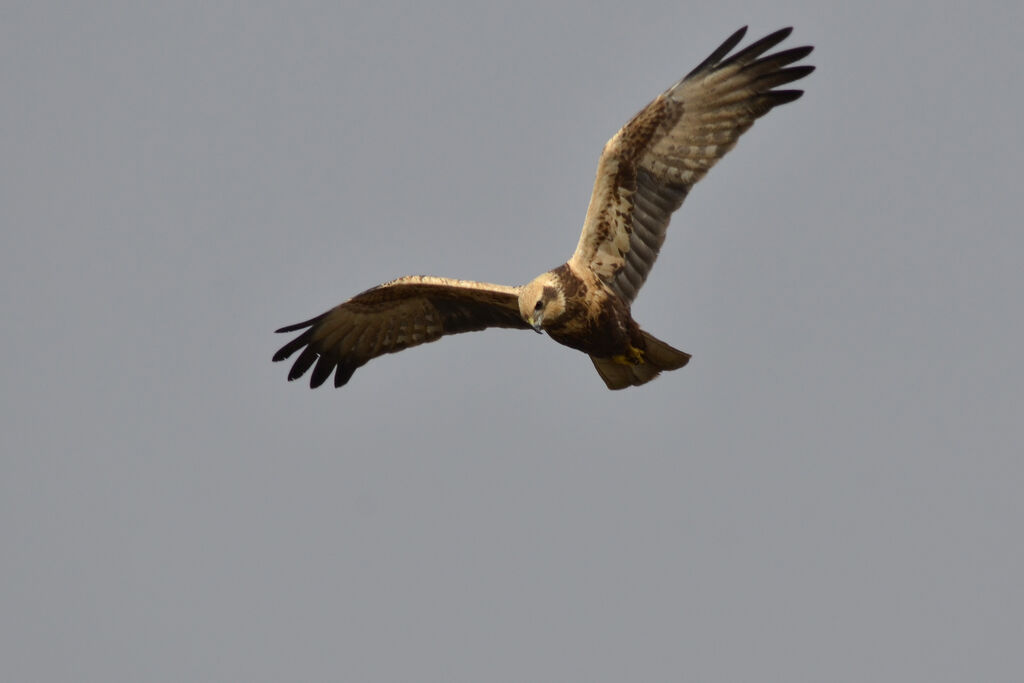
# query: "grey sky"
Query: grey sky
{"points": [[830, 491]]}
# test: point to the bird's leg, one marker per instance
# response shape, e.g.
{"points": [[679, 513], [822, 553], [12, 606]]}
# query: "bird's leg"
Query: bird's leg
{"points": [[633, 356]]}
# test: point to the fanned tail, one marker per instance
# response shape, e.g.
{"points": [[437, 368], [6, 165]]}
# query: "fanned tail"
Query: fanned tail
{"points": [[657, 357]]}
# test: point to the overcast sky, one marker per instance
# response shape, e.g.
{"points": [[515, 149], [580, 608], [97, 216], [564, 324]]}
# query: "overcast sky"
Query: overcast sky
{"points": [[829, 491]]}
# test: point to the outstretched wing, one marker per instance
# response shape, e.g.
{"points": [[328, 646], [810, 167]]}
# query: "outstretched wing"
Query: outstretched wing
{"points": [[393, 316], [648, 167]]}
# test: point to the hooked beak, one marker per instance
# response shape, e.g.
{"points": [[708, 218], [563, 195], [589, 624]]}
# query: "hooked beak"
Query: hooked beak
{"points": [[536, 325]]}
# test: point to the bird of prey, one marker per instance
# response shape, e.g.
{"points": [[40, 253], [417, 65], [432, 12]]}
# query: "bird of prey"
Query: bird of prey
{"points": [[644, 173]]}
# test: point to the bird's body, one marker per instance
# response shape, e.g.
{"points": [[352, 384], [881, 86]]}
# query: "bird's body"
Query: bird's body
{"points": [[582, 312], [643, 176]]}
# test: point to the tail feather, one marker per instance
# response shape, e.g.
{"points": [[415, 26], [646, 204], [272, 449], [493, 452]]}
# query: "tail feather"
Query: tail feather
{"points": [[658, 356]]}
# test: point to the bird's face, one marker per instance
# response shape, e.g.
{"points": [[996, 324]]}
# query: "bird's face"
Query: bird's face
{"points": [[542, 303]]}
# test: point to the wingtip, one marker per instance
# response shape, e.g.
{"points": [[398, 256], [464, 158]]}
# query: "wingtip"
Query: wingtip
{"points": [[802, 51], [343, 374], [721, 56], [323, 369], [780, 97], [719, 53], [297, 326]]}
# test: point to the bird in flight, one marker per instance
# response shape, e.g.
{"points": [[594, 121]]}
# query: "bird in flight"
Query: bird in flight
{"points": [[645, 172]]}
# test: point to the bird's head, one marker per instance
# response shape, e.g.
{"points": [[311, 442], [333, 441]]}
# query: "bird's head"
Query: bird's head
{"points": [[542, 302]]}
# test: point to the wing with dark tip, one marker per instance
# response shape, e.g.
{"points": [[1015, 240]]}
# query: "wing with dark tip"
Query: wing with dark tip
{"points": [[394, 316], [649, 166]]}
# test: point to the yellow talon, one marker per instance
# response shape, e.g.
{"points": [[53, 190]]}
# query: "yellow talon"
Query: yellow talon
{"points": [[633, 356]]}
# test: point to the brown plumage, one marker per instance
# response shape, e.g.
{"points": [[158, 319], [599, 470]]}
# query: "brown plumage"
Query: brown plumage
{"points": [[645, 172]]}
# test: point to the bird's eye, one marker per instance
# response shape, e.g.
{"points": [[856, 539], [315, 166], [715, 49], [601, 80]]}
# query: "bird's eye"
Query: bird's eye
{"points": [[540, 305]]}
